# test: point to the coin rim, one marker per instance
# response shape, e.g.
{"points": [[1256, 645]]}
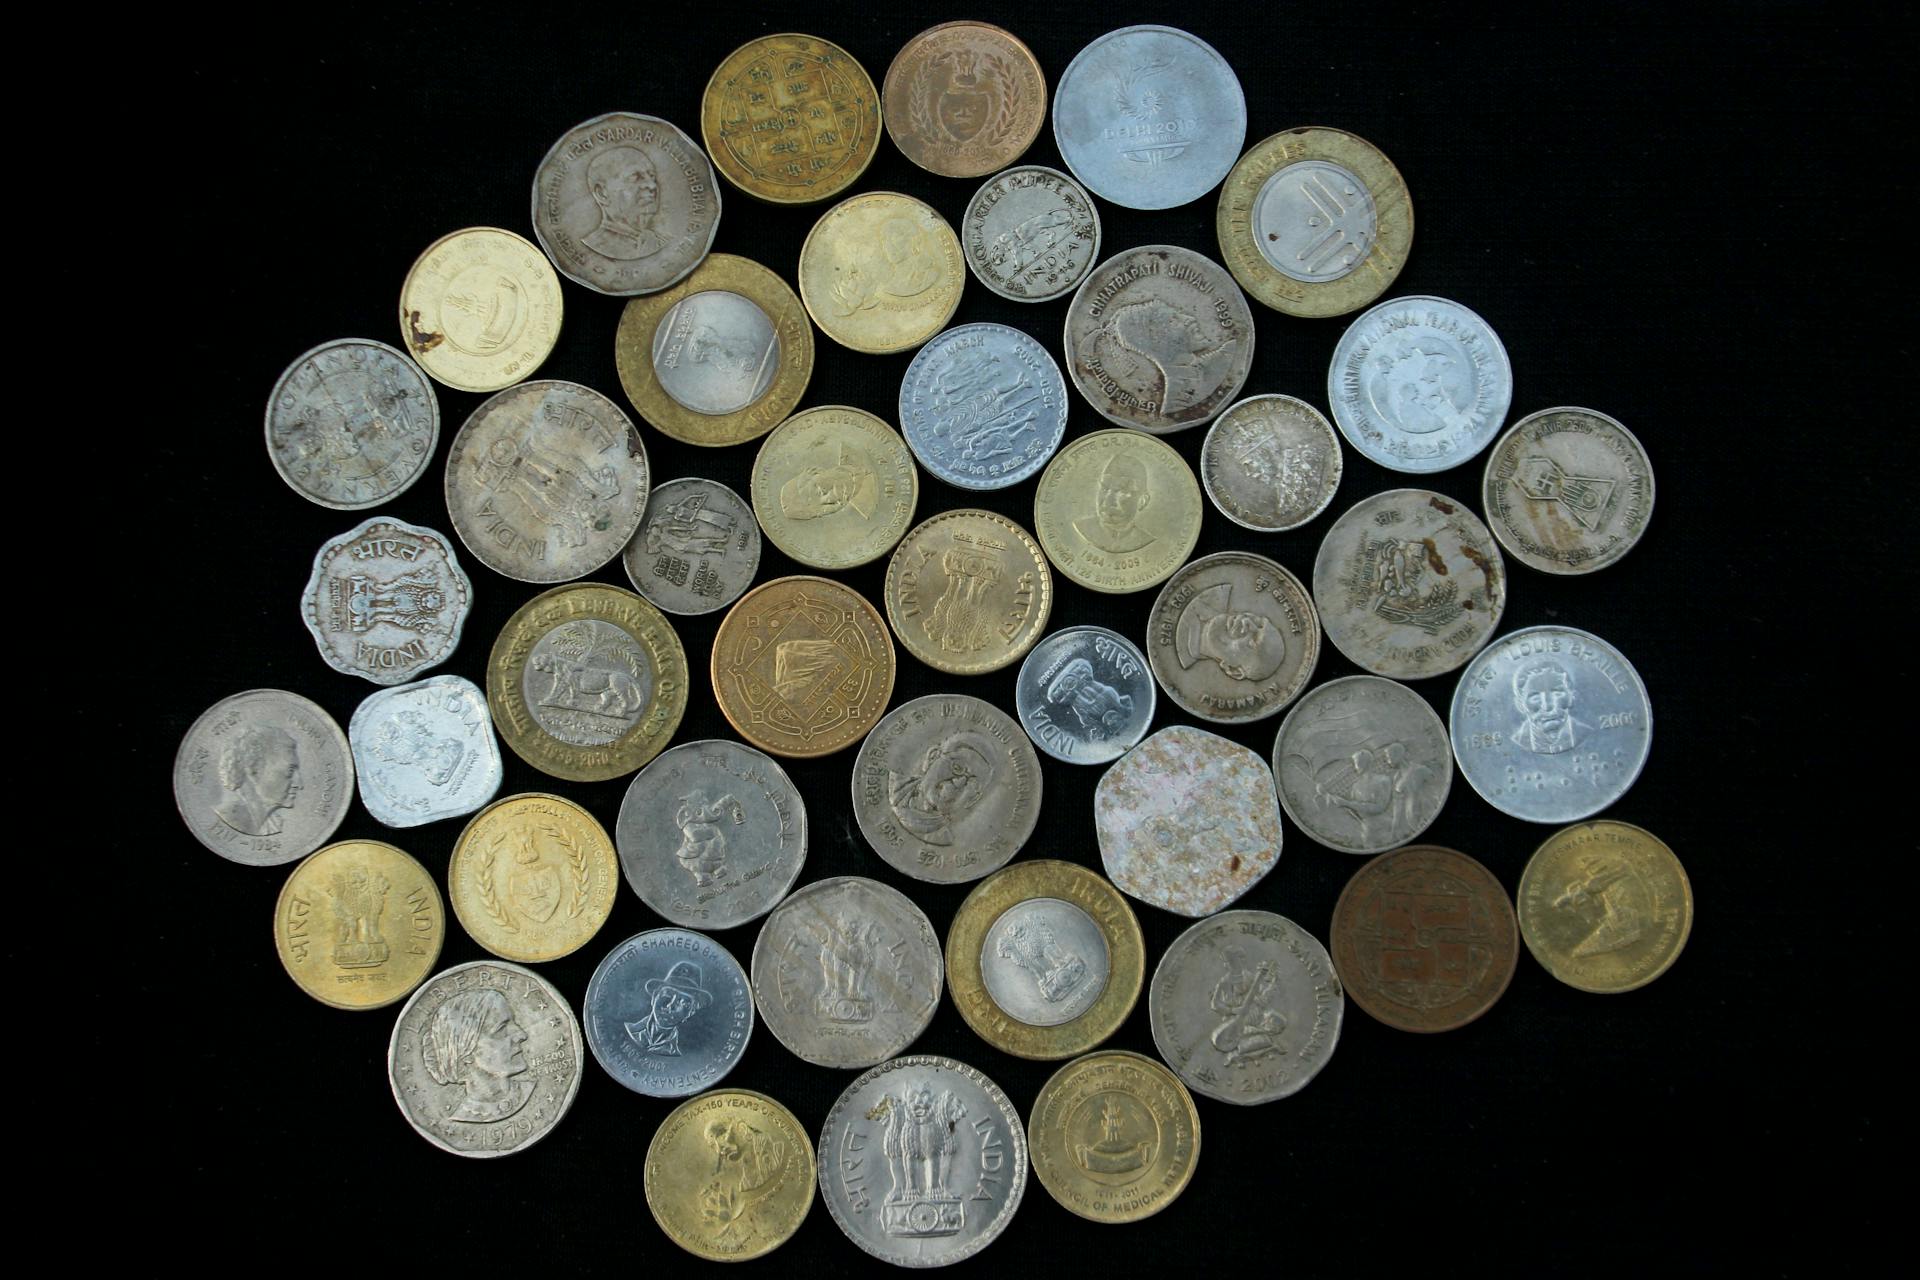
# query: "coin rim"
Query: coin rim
{"points": [[487, 937], [559, 307], [924, 333], [1439, 725], [812, 197], [1093, 255], [1058, 1083], [1192, 541], [426, 972], [653, 1157], [1337, 453], [1558, 568], [1559, 971], [1032, 134], [969, 483], [347, 792], [1039, 618], [433, 424], [1306, 670]]}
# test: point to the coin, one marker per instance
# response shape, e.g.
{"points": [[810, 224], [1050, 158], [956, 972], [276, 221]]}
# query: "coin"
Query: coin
{"points": [[1246, 1007], [1115, 1136], [263, 777], [425, 751], [351, 424], [546, 481], [1363, 764], [846, 972], [1605, 907], [480, 309], [532, 877], [386, 600], [1568, 490], [983, 406], [625, 203], [968, 592], [1187, 821], [802, 666], [729, 1175], [1149, 117], [1117, 511], [1314, 222], [1085, 695], [1233, 637], [485, 1059], [963, 99], [698, 547], [1419, 384], [1550, 724], [1424, 938], [946, 788], [1045, 959], [881, 272], [790, 119], [834, 487], [1030, 234], [1409, 584], [358, 925], [668, 1013], [587, 682], [1270, 463], [712, 834]]}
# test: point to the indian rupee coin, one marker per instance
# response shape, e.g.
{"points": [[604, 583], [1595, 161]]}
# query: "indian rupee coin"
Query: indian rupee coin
{"points": [[791, 119], [968, 592], [263, 777], [729, 1175], [425, 751], [1233, 637], [386, 600], [834, 487], [1605, 907], [697, 549], [1419, 384], [983, 406], [1085, 695], [963, 99], [1568, 490], [1117, 511], [1271, 463], [668, 1013], [1114, 1136], [359, 924], [480, 309], [352, 423], [1363, 764], [533, 877], [881, 272], [1031, 234]]}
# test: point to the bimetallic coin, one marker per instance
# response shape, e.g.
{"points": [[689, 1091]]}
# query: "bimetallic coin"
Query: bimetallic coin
{"points": [[1117, 511], [983, 406], [1605, 907], [790, 119], [1271, 463], [263, 777], [963, 99], [386, 600], [351, 424], [881, 272], [533, 877], [968, 592], [1419, 384], [425, 751], [1233, 637], [698, 547], [1031, 234], [834, 487], [1568, 490], [1085, 695], [729, 1175], [1363, 764], [668, 1013], [359, 925], [480, 309], [1115, 1136]]}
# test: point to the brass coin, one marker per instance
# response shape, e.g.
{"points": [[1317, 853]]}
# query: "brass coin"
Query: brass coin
{"points": [[1117, 511], [964, 99], [480, 309], [802, 666], [968, 592], [533, 877], [834, 487], [359, 924], [729, 1175], [1114, 1136], [1605, 906], [881, 272], [790, 119], [587, 682]]}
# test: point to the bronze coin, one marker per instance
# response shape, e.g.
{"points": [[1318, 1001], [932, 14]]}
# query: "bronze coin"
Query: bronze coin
{"points": [[964, 99]]}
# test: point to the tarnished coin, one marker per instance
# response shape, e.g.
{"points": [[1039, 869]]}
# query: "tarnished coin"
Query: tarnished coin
{"points": [[1246, 1007], [983, 406], [1419, 384], [359, 925], [1550, 724], [480, 309], [834, 487], [698, 547], [729, 1175], [587, 682], [263, 777], [1117, 511], [846, 972], [963, 99], [546, 481], [1115, 1136], [1605, 907], [1363, 764], [668, 1012], [968, 592], [485, 1059], [791, 119], [351, 424], [386, 600], [946, 788], [1409, 584], [1424, 938], [533, 877], [1187, 821], [1271, 463], [881, 272], [1149, 117], [1233, 637], [712, 834], [625, 204], [1031, 234], [1568, 490], [1085, 695], [425, 751], [802, 666]]}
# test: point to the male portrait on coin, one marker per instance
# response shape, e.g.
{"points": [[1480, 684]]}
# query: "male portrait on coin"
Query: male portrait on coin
{"points": [[626, 187], [1161, 356], [1246, 645], [1122, 494], [1098, 708], [821, 490], [474, 1040], [260, 770], [955, 775], [1543, 694], [674, 999]]}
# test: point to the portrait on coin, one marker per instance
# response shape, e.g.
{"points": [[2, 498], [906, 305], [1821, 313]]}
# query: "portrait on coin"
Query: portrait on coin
{"points": [[1121, 494], [474, 1040], [626, 188], [822, 489], [1246, 645], [953, 778], [1161, 356], [672, 1000], [1543, 694], [260, 769]]}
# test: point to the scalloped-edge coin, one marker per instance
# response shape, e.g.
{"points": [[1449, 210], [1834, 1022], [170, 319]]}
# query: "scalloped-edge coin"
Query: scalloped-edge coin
{"points": [[425, 751], [352, 423], [263, 777], [386, 600]]}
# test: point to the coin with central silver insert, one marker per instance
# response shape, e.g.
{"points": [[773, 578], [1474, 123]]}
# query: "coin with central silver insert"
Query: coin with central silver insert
{"points": [[1233, 637], [263, 777], [386, 600], [1419, 384], [1363, 764], [1031, 234], [425, 751], [1016, 956], [1085, 695], [983, 406], [697, 549], [352, 423], [668, 1013], [1270, 463]]}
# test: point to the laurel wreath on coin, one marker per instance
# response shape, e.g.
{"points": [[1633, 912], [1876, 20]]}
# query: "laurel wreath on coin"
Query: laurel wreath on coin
{"points": [[926, 88], [576, 859], [489, 898]]}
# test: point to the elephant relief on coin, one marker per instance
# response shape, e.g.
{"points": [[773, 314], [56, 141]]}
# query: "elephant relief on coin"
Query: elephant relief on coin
{"points": [[1031, 234], [1363, 764], [1568, 490], [1233, 637], [1085, 695], [386, 600], [351, 424], [263, 777], [668, 1013], [425, 751]]}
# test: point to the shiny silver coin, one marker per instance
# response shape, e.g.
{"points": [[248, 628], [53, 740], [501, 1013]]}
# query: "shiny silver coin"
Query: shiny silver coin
{"points": [[386, 601], [1085, 695], [263, 777], [1270, 463], [352, 423], [983, 406], [715, 352], [1233, 637], [697, 549], [668, 1013], [425, 751], [1314, 221], [1044, 962], [1031, 233], [1568, 490], [1419, 384], [1363, 764]]}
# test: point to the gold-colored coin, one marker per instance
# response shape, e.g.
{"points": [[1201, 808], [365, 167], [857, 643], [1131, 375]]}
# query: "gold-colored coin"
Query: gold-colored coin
{"points": [[587, 682], [729, 1175], [1605, 906], [881, 272], [791, 119], [359, 924], [533, 877], [718, 359], [1117, 511], [834, 487], [480, 309], [1314, 222], [964, 99], [802, 666], [1045, 959], [968, 592], [1114, 1136]]}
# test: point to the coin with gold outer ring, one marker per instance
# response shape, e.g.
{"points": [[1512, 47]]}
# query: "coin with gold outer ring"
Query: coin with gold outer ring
{"points": [[881, 272], [533, 877], [1117, 511], [1114, 1136], [359, 924], [834, 487], [480, 309], [968, 592], [1605, 906], [729, 1175], [790, 119]]}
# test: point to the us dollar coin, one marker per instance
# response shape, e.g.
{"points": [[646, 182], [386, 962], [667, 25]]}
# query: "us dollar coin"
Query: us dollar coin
{"points": [[1233, 637], [1419, 384], [668, 1013], [359, 925], [807, 139], [729, 1175], [1363, 764], [968, 592], [263, 777], [964, 98], [1568, 490], [425, 751], [983, 406], [1031, 234], [352, 423], [1605, 907], [386, 600], [1115, 1136], [697, 549], [1117, 511], [533, 877], [1085, 695], [1271, 463], [834, 487], [480, 309], [881, 272]]}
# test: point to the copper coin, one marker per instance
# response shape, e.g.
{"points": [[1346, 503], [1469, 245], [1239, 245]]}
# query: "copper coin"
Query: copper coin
{"points": [[964, 99]]}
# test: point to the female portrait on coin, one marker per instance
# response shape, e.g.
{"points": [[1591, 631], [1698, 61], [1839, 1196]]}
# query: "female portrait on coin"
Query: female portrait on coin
{"points": [[480, 309], [963, 99], [386, 601], [881, 272], [263, 777], [1568, 491], [473, 1041], [351, 424], [791, 119], [1233, 637]]}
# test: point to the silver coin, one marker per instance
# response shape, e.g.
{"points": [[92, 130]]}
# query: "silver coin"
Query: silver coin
{"points": [[923, 1161], [1159, 338], [625, 204], [668, 1013], [1270, 463], [697, 549], [425, 751], [546, 481], [386, 601], [1233, 637], [1245, 1007], [712, 834], [847, 972], [485, 1059], [1030, 233], [263, 777], [1568, 490], [1409, 584], [1550, 724], [983, 406], [1085, 695], [1419, 384], [1314, 221], [715, 352], [1044, 962], [946, 788], [352, 423], [1363, 764], [1149, 117]]}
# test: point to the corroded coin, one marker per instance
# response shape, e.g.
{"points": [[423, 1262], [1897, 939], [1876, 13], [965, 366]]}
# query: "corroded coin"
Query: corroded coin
{"points": [[1117, 511], [263, 777], [1085, 695], [983, 406], [968, 592], [480, 309], [834, 487], [668, 1013], [697, 549], [1031, 234], [1605, 907], [1363, 764], [790, 119], [1567, 490], [1233, 637], [533, 877], [1271, 463], [359, 925], [963, 99], [881, 272], [351, 424], [1419, 384], [1114, 1136], [425, 751], [386, 600], [729, 1175]]}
